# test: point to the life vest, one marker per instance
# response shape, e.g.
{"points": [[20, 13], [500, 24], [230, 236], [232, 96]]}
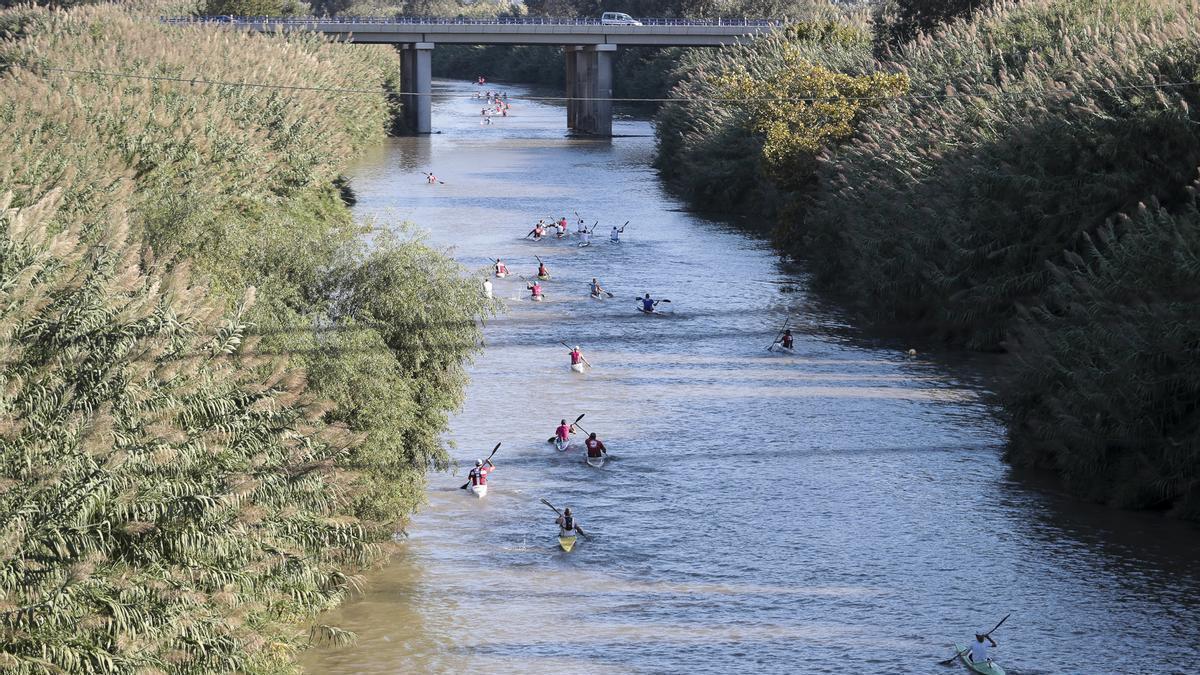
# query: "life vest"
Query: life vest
{"points": [[787, 341], [478, 476], [576, 357], [568, 523], [593, 447]]}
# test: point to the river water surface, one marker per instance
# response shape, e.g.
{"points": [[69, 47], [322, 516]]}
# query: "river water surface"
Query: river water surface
{"points": [[841, 510]]}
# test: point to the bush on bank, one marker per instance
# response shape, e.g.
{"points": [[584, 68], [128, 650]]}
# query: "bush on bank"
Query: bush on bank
{"points": [[961, 208], [189, 476]]}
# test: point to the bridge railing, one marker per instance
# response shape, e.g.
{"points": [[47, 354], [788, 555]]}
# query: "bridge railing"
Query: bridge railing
{"points": [[426, 21]]}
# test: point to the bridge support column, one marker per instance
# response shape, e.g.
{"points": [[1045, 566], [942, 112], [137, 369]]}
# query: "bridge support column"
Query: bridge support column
{"points": [[571, 59], [589, 88], [416, 77], [602, 89]]}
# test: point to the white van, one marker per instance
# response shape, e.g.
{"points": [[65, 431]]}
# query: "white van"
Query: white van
{"points": [[618, 19]]}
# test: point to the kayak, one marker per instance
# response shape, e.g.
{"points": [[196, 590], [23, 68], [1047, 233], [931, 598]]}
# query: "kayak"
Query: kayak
{"points": [[537, 298], [583, 243], [566, 543], [781, 349], [543, 277], [577, 367], [986, 668], [597, 296], [501, 275], [653, 311], [560, 444], [596, 461], [479, 490]]}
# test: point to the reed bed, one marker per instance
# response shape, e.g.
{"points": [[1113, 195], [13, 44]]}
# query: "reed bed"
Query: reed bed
{"points": [[218, 402], [994, 206]]}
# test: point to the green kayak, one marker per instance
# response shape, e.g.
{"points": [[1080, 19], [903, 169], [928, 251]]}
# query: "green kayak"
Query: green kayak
{"points": [[986, 668]]}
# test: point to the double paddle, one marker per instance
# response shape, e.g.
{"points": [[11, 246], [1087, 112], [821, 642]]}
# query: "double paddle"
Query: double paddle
{"points": [[489, 458], [581, 356], [576, 422], [643, 309], [987, 634], [778, 337], [577, 528]]}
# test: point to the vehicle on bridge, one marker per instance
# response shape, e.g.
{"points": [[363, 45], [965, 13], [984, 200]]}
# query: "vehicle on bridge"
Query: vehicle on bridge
{"points": [[618, 19]]}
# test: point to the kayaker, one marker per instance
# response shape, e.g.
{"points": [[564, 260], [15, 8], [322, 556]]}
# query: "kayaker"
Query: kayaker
{"points": [[543, 273], [580, 228], [648, 304], [786, 341], [576, 356], [595, 447], [566, 523], [535, 290], [586, 236], [596, 289], [978, 652], [479, 474], [562, 228], [431, 179], [501, 268], [487, 287], [537, 231], [615, 235], [564, 431]]}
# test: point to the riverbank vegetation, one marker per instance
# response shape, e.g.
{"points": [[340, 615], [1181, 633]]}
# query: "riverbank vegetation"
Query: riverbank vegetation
{"points": [[218, 402], [1024, 182]]}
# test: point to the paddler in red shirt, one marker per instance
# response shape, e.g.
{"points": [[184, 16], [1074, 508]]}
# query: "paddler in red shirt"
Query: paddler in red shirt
{"points": [[595, 447], [564, 431], [479, 474]]}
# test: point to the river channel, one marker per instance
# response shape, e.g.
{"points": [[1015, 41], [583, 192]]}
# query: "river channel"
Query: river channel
{"points": [[845, 509]]}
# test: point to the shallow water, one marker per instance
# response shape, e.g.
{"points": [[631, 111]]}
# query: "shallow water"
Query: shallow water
{"points": [[841, 510]]}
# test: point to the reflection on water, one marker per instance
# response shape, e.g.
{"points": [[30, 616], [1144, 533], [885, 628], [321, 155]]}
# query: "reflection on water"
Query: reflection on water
{"points": [[843, 509]]}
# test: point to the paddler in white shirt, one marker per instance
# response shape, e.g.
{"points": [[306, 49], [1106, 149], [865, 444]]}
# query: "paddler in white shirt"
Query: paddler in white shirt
{"points": [[979, 650]]}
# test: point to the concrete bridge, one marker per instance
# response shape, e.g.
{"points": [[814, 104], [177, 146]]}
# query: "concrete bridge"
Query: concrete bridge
{"points": [[588, 48]]}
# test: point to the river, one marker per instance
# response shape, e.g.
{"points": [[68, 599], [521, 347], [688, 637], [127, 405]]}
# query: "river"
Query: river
{"points": [[845, 509]]}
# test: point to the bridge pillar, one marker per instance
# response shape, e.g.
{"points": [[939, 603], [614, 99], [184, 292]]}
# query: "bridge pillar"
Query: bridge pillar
{"points": [[416, 77], [603, 90], [589, 88], [571, 59]]}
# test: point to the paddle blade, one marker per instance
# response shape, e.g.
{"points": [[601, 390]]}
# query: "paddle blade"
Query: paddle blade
{"points": [[579, 418]]}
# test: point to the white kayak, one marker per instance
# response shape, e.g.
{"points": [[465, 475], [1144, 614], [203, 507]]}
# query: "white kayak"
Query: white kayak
{"points": [[501, 275], [778, 347], [479, 490], [560, 444], [537, 298], [577, 367], [596, 461]]}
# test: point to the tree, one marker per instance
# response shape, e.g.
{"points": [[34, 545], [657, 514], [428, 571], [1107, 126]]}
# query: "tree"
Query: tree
{"points": [[243, 7], [899, 21]]}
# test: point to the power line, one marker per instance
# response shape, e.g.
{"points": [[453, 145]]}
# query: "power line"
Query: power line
{"points": [[797, 99]]}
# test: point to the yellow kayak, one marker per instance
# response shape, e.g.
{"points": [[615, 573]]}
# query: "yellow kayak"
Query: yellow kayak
{"points": [[567, 543]]}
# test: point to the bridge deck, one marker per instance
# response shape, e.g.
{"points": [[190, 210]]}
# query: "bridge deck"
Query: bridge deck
{"points": [[655, 32]]}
